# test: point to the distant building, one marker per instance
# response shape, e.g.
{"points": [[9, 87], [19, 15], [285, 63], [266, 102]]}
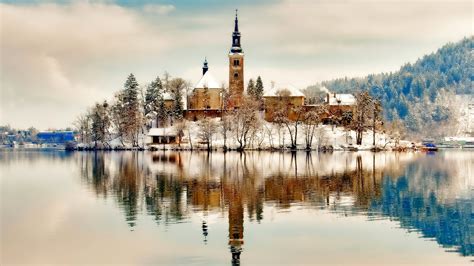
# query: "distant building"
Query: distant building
{"points": [[289, 97], [340, 99], [283, 97], [55, 137]]}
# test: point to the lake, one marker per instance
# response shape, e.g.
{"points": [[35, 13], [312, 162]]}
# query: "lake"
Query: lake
{"points": [[237, 208]]}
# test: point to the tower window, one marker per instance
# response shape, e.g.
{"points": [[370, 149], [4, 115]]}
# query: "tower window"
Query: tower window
{"points": [[236, 62], [236, 75]]}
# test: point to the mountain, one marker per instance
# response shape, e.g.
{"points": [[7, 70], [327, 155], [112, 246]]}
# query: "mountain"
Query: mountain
{"points": [[423, 95]]}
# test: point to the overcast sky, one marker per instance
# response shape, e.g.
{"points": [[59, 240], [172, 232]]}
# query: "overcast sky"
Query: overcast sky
{"points": [[59, 57]]}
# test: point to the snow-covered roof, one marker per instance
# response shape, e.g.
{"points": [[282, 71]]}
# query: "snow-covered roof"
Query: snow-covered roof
{"points": [[294, 92], [169, 97], [208, 81], [160, 131], [341, 99]]}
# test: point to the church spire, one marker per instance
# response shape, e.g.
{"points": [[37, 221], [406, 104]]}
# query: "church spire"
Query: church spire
{"points": [[205, 68], [236, 48], [236, 27]]}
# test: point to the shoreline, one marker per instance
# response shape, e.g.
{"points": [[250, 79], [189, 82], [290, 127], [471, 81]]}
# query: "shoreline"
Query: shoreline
{"points": [[221, 150]]}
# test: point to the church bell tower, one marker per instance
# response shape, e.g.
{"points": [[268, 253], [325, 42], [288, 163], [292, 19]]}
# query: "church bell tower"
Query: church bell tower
{"points": [[236, 68]]}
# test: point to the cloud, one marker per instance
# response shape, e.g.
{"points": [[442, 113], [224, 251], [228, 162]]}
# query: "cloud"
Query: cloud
{"points": [[159, 9], [68, 56]]}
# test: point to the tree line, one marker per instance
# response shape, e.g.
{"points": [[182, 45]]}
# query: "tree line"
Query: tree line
{"points": [[420, 96], [132, 111]]}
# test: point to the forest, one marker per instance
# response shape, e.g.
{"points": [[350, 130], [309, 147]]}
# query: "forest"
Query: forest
{"points": [[421, 95]]}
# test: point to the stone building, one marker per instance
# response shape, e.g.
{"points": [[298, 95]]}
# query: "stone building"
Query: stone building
{"points": [[287, 99], [284, 98], [207, 98]]}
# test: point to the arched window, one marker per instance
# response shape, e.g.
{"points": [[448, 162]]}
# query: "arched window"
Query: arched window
{"points": [[236, 62], [236, 75]]}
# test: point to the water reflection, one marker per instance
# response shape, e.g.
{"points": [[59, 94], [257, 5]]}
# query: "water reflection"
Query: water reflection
{"points": [[416, 190]]}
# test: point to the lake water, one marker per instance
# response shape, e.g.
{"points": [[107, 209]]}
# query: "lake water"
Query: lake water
{"points": [[253, 208]]}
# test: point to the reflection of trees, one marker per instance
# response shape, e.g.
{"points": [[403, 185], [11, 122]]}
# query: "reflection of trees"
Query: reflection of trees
{"points": [[8, 157], [360, 185], [449, 223], [126, 187], [163, 198], [95, 172], [237, 185]]}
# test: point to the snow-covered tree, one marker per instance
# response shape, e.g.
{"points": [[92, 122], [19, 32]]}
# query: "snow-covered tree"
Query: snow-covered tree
{"points": [[154, 101], [251, 88], [258, 89], [243, 119], [207, 129], [132, 115], [180, 127], [117, 116], [125, 112], [311, 120], [177, 87], [83, 126], [282, 116], [100, 123], [225, 127], [362, 113]]}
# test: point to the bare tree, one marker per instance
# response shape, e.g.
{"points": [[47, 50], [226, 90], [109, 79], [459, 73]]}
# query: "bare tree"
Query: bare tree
{"points": [[180, 127], [269, 130], [100, 123], [321, 137], [83, 125], [310, 122], [117, 116], [207, 129], [282, 117], [256, 133], [376, 117], [396, 130], [362, 112], [225, 127], [243, 121]]}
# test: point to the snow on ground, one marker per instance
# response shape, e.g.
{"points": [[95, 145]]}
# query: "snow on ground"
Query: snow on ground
{"points": [[325, 135], [269, 136]]}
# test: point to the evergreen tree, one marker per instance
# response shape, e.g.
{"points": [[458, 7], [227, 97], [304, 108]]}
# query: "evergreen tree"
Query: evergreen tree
{"points": [[177, 85], [154, 101], [152, 95], [251, 89], [259, 89], [131, 104]]}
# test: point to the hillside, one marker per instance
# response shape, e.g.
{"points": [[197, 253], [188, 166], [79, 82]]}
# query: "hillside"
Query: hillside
{"points": [[423, 94]]}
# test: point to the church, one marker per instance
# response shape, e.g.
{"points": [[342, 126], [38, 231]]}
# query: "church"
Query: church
{"points": [[209, 98]]}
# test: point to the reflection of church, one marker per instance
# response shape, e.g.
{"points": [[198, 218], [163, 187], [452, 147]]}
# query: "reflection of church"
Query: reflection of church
{"points": [[236, 188], [209, 98]]}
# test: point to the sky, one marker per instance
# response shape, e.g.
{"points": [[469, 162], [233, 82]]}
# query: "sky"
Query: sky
{"points": [[57, 58]]}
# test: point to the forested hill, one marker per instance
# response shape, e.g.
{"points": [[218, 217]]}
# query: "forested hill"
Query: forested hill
{"points": [[420, 94]]}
